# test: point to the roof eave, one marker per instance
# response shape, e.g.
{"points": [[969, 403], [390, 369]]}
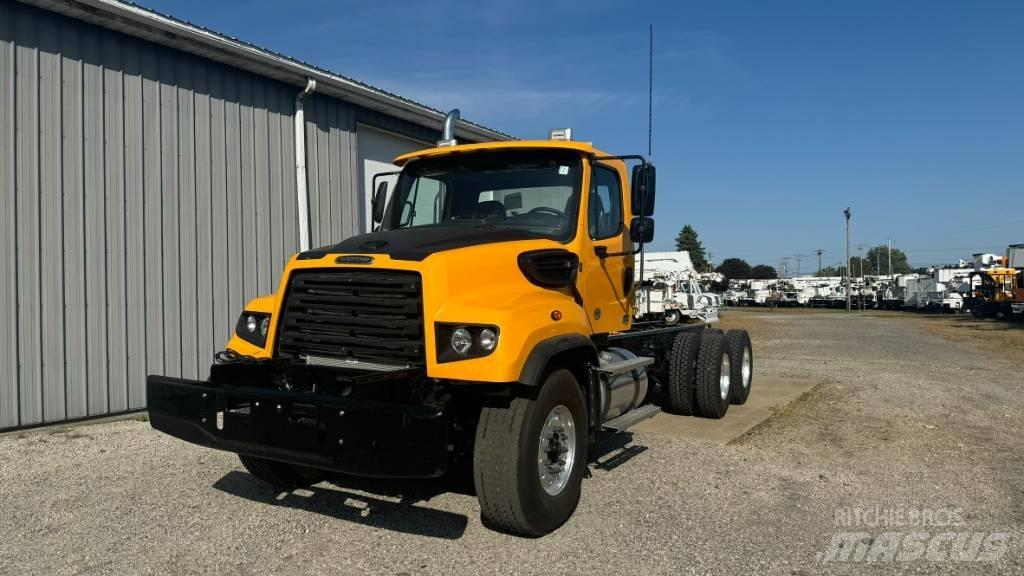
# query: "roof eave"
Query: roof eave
{"points": [[164, 30]]}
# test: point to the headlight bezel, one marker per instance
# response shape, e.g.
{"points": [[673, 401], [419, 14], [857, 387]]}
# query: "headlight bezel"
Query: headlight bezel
{"points": [[443, 332], [257, 337]]}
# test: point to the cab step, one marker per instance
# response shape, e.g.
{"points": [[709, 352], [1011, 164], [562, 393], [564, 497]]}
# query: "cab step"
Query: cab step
{"points": [[624, 366], [629, 419]]}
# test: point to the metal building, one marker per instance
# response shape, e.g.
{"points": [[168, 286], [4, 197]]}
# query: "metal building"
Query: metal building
{"points": [[149, 188]]}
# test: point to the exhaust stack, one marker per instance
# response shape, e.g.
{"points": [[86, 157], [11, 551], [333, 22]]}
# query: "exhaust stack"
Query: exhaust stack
{"points": [[448, 129]]}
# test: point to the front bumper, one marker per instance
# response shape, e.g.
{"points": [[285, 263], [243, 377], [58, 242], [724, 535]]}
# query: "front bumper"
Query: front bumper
{"points": [[360, 437]]}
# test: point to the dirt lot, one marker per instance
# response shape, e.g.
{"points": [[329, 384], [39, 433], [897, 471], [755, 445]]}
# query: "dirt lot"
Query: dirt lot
{"points": [[918, 426]]}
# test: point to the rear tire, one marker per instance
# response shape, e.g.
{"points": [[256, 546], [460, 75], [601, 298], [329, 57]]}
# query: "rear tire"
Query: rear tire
{"points": [[281, 474], [682, 362], [713, 375], [742, 365], [515, 445]]}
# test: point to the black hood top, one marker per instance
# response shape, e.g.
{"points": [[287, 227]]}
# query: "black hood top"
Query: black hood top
{"points": [[418, 243]]}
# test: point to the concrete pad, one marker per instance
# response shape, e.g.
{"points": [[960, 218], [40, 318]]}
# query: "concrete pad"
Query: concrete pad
{"points": [[767, 396]]}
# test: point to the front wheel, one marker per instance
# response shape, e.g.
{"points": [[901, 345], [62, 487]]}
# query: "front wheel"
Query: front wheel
{"points": [[529, 458], [281, 474]]}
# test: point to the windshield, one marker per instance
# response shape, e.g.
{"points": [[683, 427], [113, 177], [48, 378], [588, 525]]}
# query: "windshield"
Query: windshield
{"points": [[535, 191]]}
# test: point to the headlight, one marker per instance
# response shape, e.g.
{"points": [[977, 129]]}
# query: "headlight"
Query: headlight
{"points": [[253, 327], [463, 341], [488, 339]]}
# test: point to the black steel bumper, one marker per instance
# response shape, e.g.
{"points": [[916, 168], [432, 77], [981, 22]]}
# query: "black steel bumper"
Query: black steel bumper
{"points": [[360, 437]]}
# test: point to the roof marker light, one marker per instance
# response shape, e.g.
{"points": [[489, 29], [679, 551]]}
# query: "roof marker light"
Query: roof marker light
{"points": [[560, 134]]}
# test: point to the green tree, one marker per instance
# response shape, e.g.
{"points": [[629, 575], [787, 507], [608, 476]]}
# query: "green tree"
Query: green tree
{"points": [[830, 271], [763, 272], [734, 269], [687, 240], [880, 255], [857, 265]]}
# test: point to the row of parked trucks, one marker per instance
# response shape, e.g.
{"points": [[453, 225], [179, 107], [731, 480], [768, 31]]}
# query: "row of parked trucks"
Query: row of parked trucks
{"points": [[991, 286]]}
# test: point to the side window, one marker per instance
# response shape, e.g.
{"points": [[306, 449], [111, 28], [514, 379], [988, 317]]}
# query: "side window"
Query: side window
{"points": [[424, 204], [604, 212]]}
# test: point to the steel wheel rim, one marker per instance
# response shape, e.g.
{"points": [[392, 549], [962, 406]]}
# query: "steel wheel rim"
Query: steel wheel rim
{"points": [[746, 367], [723, 378], [556, 450]]}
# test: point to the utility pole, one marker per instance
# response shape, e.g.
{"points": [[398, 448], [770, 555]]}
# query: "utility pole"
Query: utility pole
{"points": [[888, 244], [847, 214], [784, 272], [860, 258], [819, 252], [860, 294], [799, 258]]}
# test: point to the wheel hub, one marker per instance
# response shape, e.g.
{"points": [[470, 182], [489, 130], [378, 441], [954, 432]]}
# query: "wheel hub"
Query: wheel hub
{"points": [[556, 450], [746, 368], [723, 378]]}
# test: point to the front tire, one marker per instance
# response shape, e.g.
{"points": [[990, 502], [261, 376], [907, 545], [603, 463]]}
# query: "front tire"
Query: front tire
{"points": [[281, 474], [529, 458]]}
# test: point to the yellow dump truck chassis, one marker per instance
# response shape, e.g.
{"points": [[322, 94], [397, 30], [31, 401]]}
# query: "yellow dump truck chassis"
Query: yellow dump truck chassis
{"points": [[485, 325]]}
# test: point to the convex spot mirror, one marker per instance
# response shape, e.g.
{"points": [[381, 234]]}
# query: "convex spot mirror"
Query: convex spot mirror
{"points": [[641, 230]]}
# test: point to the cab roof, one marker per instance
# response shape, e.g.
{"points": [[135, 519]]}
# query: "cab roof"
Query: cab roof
{"points": [[436, 152]]}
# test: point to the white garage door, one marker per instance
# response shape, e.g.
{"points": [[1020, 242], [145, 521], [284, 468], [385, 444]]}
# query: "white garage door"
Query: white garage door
{"points": [[377, 149]]}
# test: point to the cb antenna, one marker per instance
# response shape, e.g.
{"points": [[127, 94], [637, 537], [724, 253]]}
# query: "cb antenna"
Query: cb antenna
{"points": [[650, 134], [650, 95]]}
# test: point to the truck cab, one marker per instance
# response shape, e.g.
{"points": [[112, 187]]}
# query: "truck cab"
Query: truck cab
{"points": [[485, 324]]}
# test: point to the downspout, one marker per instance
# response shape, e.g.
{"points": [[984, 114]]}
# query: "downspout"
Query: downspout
{"points": [[302, 196]]}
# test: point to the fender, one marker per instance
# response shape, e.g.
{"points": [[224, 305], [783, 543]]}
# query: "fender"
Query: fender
{"points": [[543, 352]]}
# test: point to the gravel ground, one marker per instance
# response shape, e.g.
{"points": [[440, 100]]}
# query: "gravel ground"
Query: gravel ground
{"points": [[904, 421]]}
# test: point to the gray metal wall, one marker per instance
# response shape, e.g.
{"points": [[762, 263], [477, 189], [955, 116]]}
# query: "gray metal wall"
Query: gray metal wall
{"points": [[145, 196]]}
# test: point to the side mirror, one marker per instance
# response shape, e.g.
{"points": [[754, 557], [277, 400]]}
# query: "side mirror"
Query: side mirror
{"points": [[643, 190], [379, 201], [641, 230]]}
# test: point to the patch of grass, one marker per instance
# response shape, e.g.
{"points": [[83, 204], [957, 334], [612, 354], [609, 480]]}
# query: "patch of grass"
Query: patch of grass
{"points": [[71, 434], [1003, 338]]}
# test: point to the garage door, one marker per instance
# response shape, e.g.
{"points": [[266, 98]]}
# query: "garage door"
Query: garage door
{"points": [[377, 149]]}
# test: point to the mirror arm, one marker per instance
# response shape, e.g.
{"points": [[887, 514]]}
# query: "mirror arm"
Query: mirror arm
{"points": [[605, 254]]}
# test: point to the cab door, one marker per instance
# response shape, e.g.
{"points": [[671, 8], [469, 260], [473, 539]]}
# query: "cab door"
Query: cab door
{"points": [[605, 279]]}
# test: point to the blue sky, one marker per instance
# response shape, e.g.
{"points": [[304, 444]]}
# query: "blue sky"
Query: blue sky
{"points": [[770, 117]]}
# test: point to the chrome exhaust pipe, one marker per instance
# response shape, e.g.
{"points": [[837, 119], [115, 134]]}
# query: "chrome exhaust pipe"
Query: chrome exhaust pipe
{"points": [[448, 129]]}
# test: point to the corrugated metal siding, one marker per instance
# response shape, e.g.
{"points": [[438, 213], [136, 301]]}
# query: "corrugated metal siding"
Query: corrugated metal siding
{"points": [[147, 194], [9, 404]]}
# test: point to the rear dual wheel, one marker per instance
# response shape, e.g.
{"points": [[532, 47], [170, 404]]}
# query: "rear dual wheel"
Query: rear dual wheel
{"points": [[714, 375], [682, 364], [741, 364], [708, 370]]}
